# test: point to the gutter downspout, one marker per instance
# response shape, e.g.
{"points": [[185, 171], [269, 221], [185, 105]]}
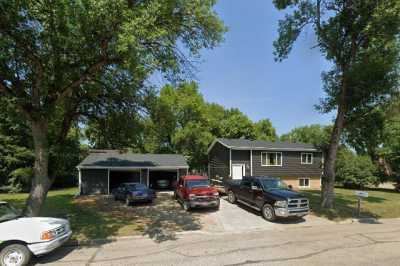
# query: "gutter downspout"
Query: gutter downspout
{"points": [[230, 162], [251, 162], [108, 177]]}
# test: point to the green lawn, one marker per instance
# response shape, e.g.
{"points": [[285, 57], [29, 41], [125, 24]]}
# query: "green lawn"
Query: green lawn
{"points": [[96, 217], [381, 203]]}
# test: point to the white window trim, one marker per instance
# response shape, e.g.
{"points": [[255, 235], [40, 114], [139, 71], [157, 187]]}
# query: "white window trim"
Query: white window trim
{"points": [[267, 165], [309, 182], [304, 153]]}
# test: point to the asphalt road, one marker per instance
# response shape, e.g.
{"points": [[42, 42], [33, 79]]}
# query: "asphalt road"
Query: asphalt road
{"points": [[333, 244]]}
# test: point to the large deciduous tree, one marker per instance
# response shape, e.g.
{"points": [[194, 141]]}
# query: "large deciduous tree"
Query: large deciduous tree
{"points": [[63, 60], [360, 39], [314, 134]]}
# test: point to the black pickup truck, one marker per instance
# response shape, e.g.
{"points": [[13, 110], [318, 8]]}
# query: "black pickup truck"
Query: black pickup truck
{"points": [[269, 195]]}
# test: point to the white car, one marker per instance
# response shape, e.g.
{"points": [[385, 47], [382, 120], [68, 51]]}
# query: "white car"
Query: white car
{"points": [[20, 237]]}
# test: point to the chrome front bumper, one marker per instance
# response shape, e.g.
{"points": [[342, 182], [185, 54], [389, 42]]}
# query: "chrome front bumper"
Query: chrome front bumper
{"points": [[48, 246], [209, 203], [297, 207], [284, 212]]}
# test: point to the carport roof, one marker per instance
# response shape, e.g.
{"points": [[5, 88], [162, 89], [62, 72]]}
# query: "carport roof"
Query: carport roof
{"points": [[122, 159]]}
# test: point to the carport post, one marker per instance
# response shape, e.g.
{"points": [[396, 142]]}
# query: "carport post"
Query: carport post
{"points": [[177, 174], [148, 177], [108, 177], [80, 181]]}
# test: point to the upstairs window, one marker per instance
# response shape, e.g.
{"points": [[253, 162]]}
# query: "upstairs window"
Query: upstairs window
{"points": [[271, 159], [306, 158]]}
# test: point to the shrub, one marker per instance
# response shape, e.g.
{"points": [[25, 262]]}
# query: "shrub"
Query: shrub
{"points": [[355, 171]]}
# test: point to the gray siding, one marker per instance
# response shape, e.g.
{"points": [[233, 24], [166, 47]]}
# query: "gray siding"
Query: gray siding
{"points": [[291, 165], [94, 181], [218, 159], [242, 157]]}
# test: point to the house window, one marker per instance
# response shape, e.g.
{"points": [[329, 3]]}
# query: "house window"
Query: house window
{"points": [[306, 158], [304, 182], [271, 159]]}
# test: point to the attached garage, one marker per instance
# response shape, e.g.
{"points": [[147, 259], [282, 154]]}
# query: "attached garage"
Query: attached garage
{"points": [[103, 170]]}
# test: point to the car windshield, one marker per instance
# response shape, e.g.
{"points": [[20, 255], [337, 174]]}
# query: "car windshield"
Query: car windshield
{"points": [[7, 212], [272, 184], [197, 183], [136, 186]]}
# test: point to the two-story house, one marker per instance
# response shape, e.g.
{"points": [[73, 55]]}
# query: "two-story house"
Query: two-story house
{"points": [[298, 164]]}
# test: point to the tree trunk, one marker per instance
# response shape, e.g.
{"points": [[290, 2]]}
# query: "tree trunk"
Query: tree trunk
{"points": [[40, 182], [328, 179]]}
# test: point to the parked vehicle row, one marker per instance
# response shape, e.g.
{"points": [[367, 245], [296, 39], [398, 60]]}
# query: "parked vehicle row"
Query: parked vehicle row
{"points": [[269, 195]]}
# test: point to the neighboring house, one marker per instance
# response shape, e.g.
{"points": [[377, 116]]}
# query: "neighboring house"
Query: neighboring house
{"points": [[103, 170], [298, 164]]}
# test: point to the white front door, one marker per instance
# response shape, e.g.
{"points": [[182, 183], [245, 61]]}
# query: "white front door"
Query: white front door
{"points": [[237, 171]]}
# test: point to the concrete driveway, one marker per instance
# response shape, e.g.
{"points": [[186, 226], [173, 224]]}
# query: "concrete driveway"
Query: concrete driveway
{"points": [[240, 218], [332, 245]]}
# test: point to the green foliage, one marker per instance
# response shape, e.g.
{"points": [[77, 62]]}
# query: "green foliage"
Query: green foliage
{"points": [[235, 124], [314, 134], [265, 131], [181, 121], [377, 134], [16, 156], [360, 40], [64, 62], [358, 37], [355, 171]]}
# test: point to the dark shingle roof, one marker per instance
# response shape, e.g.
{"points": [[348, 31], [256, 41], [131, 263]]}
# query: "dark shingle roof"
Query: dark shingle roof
{"points": [[266, 145], [116, 158]]}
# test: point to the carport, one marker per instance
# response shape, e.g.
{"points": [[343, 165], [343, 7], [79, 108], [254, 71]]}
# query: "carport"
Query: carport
{"points": [[162, 179], [118, 177], [103, 170]]}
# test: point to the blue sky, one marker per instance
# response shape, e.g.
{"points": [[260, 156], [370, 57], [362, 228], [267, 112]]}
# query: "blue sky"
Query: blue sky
{"points": [[242, 73]]}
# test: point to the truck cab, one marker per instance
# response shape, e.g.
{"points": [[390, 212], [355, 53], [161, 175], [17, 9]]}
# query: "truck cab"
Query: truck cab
{"points": [[20, 236], [194, 191], [269, 195]]}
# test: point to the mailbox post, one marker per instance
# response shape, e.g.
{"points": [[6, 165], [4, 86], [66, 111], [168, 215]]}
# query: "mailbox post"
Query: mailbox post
{"points": [[360, 195]]}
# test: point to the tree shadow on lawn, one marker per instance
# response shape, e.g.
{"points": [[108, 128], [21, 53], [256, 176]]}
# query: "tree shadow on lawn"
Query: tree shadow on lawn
{"points": [[159, 221], [100, 217], [166, 217], [345, 206]]}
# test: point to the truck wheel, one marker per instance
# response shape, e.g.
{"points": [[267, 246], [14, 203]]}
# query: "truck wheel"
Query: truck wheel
{"points": [[186, 206], [268, 212], [231, 197], [15, 255]]}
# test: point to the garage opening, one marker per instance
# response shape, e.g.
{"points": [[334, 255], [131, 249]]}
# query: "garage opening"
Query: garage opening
{"points": [[162, 180], [118, 177]]}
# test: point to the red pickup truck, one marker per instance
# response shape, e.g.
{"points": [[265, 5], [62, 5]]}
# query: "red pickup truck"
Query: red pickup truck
{"points": [[195, 191]]}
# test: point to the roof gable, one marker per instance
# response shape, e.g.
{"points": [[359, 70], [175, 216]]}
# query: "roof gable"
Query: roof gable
{"points": [[245, 144]]}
